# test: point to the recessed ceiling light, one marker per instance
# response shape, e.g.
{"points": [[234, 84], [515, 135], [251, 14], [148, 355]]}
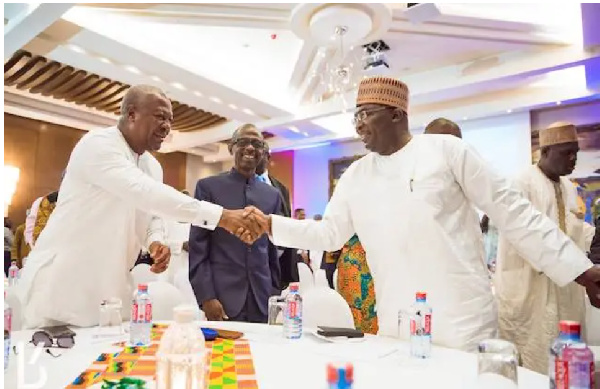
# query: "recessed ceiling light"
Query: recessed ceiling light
{"points": [[248, 111], [198, 93], [76, 48], [305, 133], [105, 60], [508, 110], [233, 106], [558, 102], [156, 78], [133, 69], [294, 129], [465, 118], [178, 85], [215, 99]]}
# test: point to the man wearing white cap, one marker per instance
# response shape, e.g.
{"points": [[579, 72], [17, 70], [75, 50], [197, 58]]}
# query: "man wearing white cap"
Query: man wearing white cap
{"points": [[530, 304], [411, 202]]}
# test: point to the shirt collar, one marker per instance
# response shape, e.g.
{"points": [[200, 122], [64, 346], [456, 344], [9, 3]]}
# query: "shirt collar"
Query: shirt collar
{"points": [[240, 177]]}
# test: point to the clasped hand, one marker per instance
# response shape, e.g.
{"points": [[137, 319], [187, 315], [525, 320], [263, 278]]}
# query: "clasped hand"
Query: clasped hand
{"points": [[248, 224]]}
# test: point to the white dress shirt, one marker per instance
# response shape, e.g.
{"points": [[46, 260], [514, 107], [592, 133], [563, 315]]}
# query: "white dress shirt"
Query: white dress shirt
{"points": [[413, 211], [109, 207]]}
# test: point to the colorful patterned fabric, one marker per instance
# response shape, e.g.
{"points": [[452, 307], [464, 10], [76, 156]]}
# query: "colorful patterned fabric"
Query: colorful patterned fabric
{"points": [[44, 211], [231, 364], [356, 286], [20, 249]]}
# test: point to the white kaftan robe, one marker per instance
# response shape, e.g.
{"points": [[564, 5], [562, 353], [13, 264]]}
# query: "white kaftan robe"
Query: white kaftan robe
{"points": [[530, 304], [103, 216], [413, 212]]}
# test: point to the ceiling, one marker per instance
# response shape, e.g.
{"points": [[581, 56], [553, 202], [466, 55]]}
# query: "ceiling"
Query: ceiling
{"points": [[227, 64]]}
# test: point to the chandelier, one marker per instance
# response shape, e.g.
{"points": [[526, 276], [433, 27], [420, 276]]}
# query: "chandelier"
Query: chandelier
{"points": [[344, 34]]}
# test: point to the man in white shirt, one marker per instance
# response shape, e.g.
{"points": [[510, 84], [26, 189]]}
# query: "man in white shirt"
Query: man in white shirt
{"points": [[530, 305], [110, 204], [411, 202]]}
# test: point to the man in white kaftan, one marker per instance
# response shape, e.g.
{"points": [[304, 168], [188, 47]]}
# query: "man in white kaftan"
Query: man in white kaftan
{"points": [[110, 201], [530, 304], [411, 203]]}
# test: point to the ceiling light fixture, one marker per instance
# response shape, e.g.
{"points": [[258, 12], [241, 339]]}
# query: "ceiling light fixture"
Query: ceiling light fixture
{"points": [[465, 118], [508, 110], [294, 129], [305, 133], [558, 102], [76, 49], [248, 111], [198, 93], [105, 60], [156, 78], [133, 69], [215, 99], [233, 106], [178, 85]]}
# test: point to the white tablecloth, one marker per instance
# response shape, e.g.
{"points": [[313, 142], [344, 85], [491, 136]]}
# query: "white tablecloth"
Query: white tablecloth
{"points": [[378, 362]]}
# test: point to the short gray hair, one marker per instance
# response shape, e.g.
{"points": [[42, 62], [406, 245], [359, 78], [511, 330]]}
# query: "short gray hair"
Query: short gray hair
{"points": [[137, 93]]}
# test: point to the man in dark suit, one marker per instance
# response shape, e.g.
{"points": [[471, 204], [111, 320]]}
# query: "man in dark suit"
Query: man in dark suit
{"points": [[288, 258], [232, 280]]}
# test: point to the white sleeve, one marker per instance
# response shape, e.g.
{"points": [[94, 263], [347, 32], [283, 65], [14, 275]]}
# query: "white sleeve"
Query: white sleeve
{"points": [[30, 221], [328, 234], [99, 161], [535, 237]]}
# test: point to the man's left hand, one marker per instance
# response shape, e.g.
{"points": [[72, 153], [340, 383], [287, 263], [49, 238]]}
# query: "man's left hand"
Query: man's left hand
{"points": [[161, 255]]}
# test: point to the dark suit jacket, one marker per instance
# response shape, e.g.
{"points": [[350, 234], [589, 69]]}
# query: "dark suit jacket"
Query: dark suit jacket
{"points": [[595, 248], [289, 258], [221, 265]]}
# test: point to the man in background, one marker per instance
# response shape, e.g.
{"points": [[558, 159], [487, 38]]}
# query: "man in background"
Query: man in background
{"points": [[530, 304], [231, 279], [443, 126], [288, 258]]}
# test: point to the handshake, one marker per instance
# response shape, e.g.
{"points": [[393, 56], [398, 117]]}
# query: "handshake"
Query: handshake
{"points": [[248, 224]]}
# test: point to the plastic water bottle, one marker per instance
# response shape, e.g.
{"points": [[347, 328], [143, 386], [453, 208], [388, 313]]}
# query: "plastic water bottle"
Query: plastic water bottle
{"points": [[292, 316], [340, 376], [569, 332], [141, 317], [420, 327], [579, 360], [7, 331], [13, 274], [181, 354]]}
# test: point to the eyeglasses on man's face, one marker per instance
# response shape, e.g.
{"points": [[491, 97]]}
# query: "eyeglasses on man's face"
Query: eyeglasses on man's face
{"points": [[245, 142], [361, 116]]}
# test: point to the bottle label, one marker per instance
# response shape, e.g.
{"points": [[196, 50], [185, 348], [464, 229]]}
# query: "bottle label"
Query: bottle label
{"points": [[561, 374], [148, 313], [420, 325], [134, 312], [427, 325], [143, 315], [292, 309]]}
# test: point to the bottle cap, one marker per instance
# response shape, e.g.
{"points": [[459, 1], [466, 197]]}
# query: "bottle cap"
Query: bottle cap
{"points": [[569, 327], [342, 376], [294, 286], [143, 287], [421, 296], [183, 314]]}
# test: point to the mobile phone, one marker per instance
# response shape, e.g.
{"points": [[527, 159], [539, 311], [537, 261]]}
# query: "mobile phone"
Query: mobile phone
{"points": [[337, 331]]}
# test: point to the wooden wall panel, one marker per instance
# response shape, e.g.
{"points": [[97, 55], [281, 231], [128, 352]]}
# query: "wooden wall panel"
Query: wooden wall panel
{"points": [[41, 151], [282, 168]]}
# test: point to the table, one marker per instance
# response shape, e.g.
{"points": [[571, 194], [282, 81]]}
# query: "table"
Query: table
{"points": [[280, 363]]}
